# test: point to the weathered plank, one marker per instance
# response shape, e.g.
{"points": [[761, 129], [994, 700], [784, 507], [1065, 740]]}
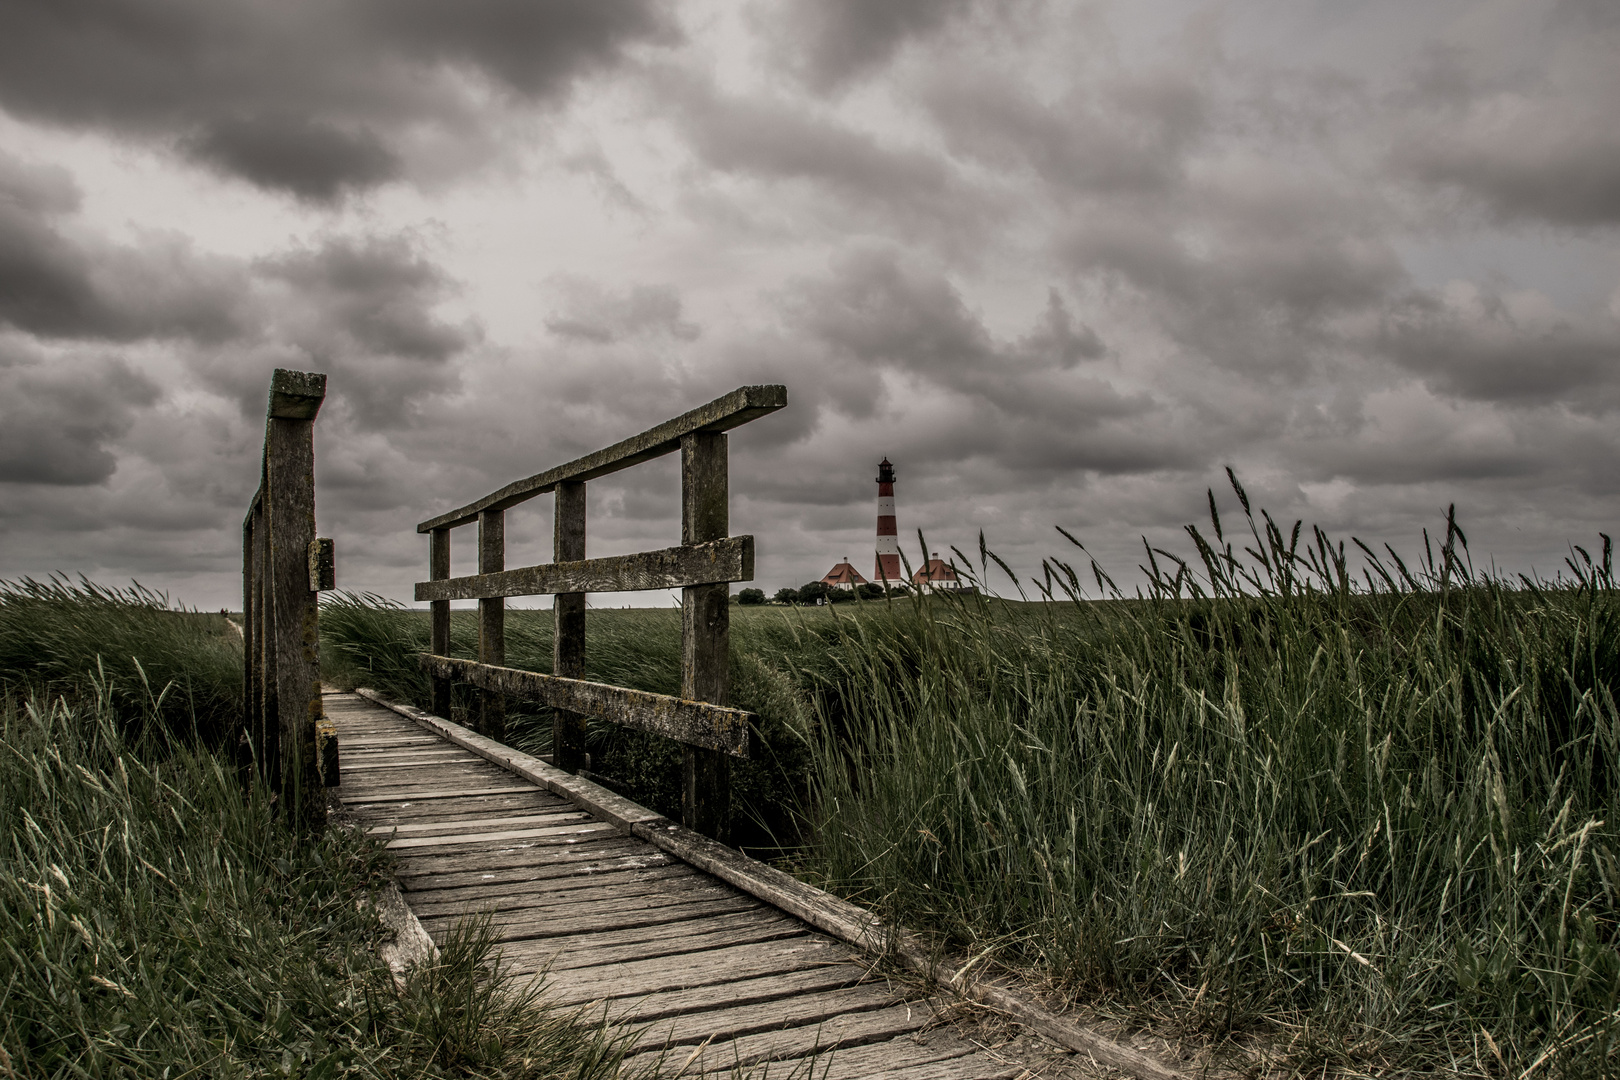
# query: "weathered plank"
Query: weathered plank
{"points": [[439, 633], [855, 1029], [559, 920], [590, 849], [465, 809], [252, 717], [938, 1051], [454, 825], [481, 890], [744, 991], [725, 560], [556, 834], [698, 723], [722, 414], [403, 763], [568, 631], [979, 1066], [492, 621], [740, 1020], [629, 889], [643, 977], [296, 395], [705, 631], [587, 862], [361, 802], [675, 940], [289, 486]]}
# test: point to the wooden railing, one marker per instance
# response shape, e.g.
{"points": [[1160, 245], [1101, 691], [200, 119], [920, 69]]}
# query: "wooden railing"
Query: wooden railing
{"points": [[284, 567], [702, 567]]}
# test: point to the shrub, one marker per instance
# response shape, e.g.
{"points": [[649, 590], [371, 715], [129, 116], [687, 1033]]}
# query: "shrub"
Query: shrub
{"points": [[813, 592], [786, 596], [751, 596]]}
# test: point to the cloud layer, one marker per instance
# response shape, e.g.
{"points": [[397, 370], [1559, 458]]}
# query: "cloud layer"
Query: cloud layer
{"points": [[1061, 264]]}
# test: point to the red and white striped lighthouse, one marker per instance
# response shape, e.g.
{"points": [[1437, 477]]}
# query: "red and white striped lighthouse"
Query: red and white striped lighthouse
{"points": [[888, 537]]}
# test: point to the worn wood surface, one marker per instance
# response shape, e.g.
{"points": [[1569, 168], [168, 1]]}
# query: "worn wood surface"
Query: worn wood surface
{"points": [[492, 620], [844, 921], [439, 634], [696, 722], [290, 608], [252, 733], [568, 613], [705, 630], [296, 395], [726, 560], [707, 975], [322, 565], [722, 414]]}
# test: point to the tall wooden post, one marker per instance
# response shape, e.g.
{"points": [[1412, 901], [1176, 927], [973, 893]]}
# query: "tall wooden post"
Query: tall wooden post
{"points": [[266, 732], [247, 738], [568, 633], [492, 619], [289, 498], [439, 570], [705, 630]]}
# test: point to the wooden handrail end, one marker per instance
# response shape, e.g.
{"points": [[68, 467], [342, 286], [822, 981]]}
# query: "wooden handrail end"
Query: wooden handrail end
{"points": [[296, 395]]}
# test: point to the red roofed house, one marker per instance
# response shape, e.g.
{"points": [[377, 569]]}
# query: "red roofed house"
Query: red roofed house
{"points": [[936, 574], [843, 576]]}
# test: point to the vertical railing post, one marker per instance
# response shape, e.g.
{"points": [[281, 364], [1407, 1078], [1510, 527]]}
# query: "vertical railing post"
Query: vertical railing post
{"points": [[292, 608], [568, 633], [492, 619], [439, 570], [247, 744], [705, 630], [266, 733]]}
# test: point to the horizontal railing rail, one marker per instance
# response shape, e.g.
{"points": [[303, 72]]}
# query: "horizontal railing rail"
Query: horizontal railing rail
{"points": [[697, 723], [728, 560], [703, 567]]}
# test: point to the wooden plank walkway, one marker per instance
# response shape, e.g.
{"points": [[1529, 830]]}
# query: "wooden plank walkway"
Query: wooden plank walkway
{"points": [[715, 979]]}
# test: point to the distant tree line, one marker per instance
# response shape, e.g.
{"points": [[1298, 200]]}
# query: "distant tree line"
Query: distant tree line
{"points": [[814, 593]]}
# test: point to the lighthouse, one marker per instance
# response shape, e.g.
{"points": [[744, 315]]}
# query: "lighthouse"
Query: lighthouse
{"points": [[888, 537]]}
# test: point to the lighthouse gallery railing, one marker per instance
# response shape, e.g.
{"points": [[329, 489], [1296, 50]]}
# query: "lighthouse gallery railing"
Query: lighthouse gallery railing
{"points": [[702, 567]]}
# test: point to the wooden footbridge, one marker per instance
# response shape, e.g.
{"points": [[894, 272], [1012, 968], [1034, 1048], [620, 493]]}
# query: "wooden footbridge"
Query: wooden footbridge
{"points": [[721, 964], [713, 978]]}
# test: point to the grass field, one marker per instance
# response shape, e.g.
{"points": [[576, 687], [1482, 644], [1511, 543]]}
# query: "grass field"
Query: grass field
{"points": [[155, 918], [1348, 819]]}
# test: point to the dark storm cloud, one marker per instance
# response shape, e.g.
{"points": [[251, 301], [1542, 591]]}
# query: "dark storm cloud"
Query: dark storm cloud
{"points": [[60, 415], [57, 287], [1528, 170], [363, 307], [308, 97], [378, 292], [363, 310], [310, 159], [828, 43], [1473, 344]]}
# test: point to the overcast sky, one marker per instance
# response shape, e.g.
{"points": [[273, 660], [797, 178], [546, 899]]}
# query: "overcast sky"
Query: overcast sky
{"points": [[1061, 262]]}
